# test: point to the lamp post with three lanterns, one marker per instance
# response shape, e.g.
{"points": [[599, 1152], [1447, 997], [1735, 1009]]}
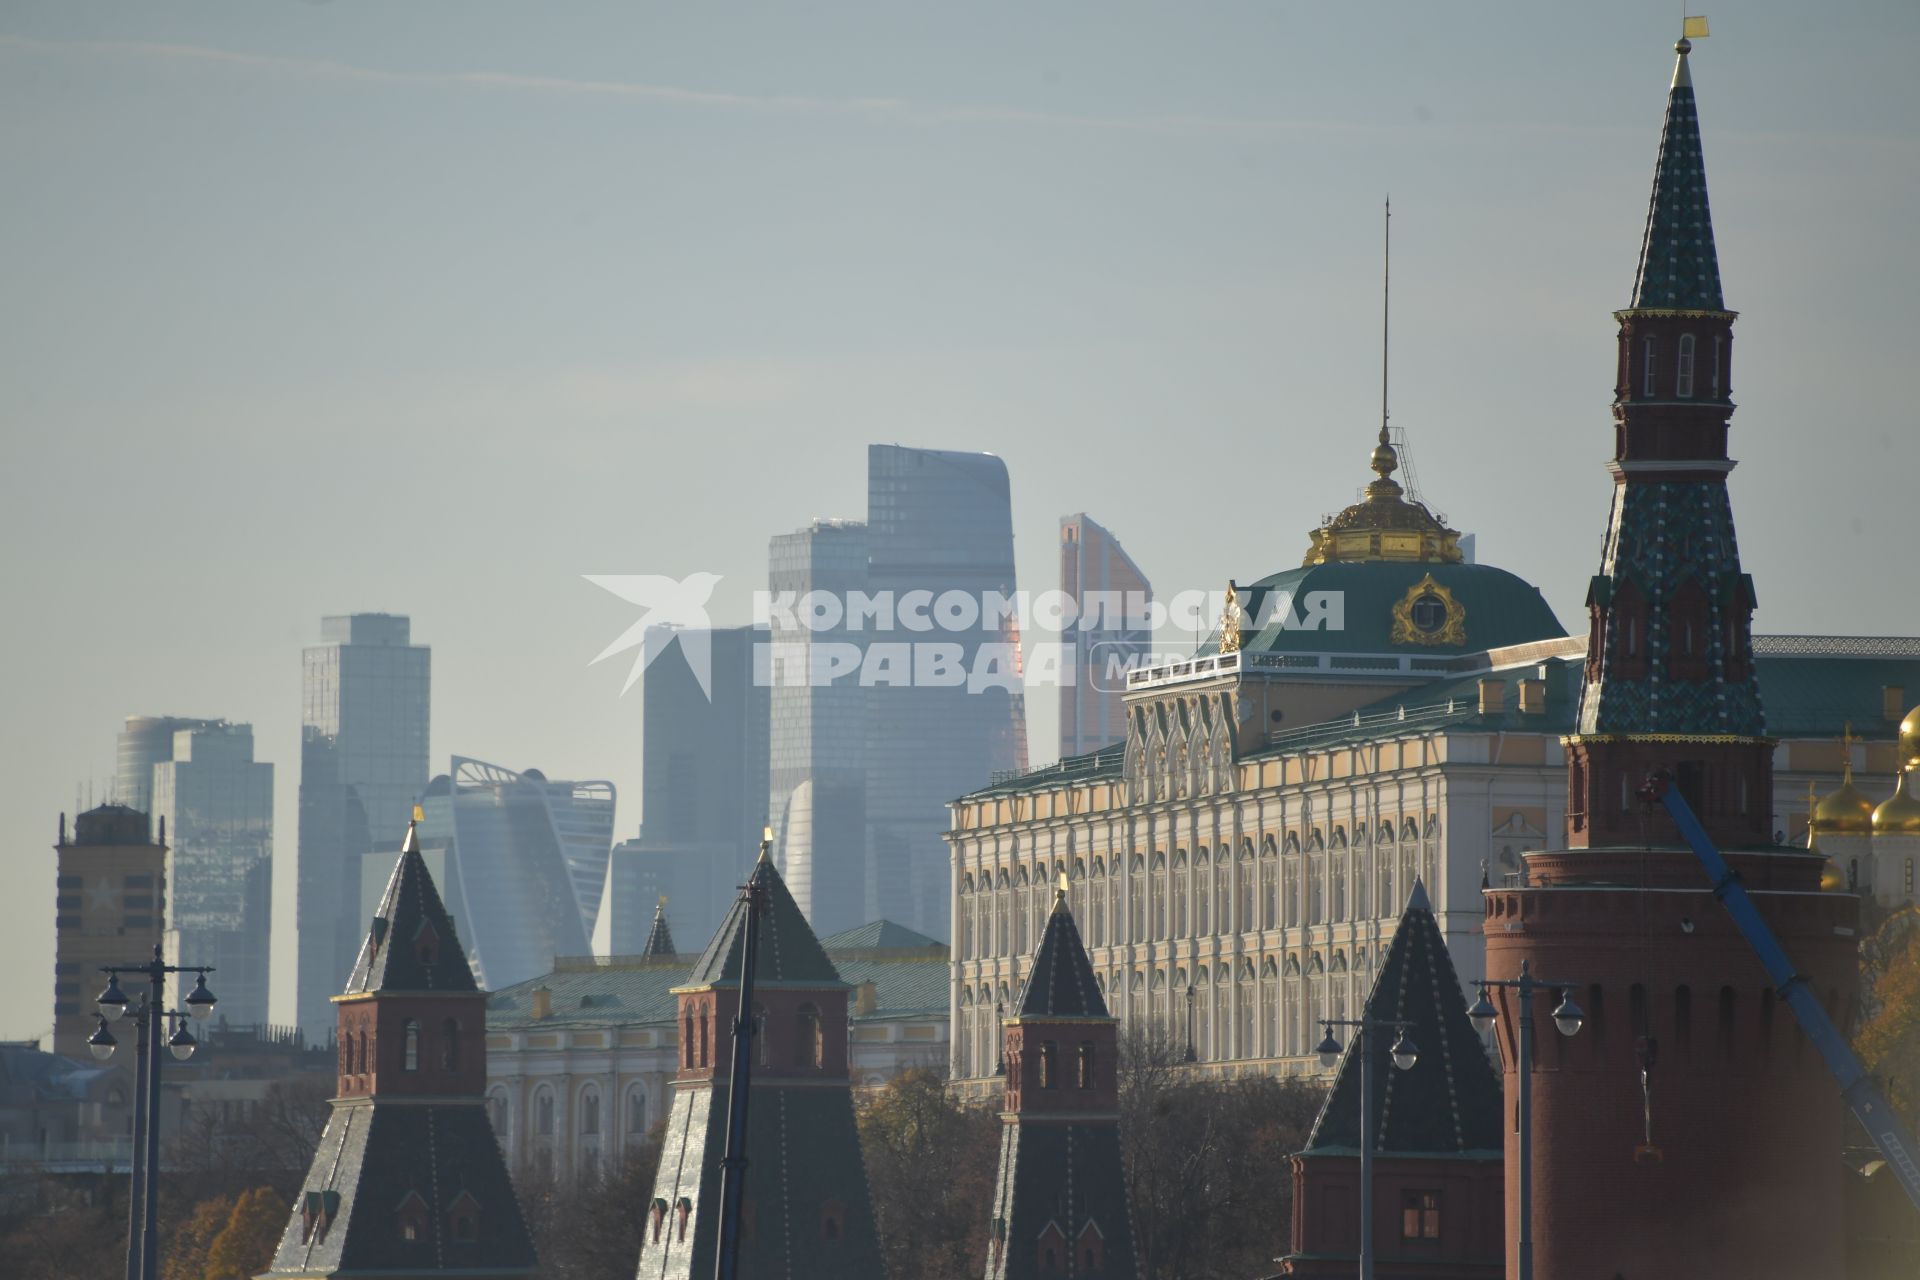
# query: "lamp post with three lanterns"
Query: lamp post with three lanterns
{"points": [[152, 1017], [1404, 1055]]}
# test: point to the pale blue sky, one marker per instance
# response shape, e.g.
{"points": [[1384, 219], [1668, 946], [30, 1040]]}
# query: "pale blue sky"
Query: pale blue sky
{"points": [[432, 308]]}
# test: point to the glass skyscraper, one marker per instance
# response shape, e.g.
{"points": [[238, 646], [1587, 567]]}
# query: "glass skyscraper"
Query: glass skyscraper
{"points": [[363, 765], [937, 522], [145, 741], [511, 846], [703, 775], [217, 802], [817, 747], [1091, 711]]}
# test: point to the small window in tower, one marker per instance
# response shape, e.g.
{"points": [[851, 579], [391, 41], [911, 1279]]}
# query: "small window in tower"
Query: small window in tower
{"points": [[412, 1213], [410, 1035], [1683, 368], [1716, 366], [463, 1218], [450, 1045], [658, 1216], [1086, 1064], [1049, 1065], [682, 1210], [1419, 1215], [833, 1221], [1646, 366]]}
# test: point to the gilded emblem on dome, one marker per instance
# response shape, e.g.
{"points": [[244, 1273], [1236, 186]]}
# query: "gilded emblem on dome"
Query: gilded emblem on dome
{"points": [[1428, 614]]}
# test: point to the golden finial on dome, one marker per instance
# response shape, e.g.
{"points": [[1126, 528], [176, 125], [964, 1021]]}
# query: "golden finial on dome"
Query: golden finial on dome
{"points": [[1848, 811]]}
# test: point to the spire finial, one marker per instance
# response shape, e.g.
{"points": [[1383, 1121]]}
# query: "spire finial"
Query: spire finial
{"points": [[766, 847], [1691, 26], [1386, 307], [1060, 893]]}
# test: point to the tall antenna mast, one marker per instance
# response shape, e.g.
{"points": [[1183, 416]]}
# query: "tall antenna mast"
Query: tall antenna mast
{"points": [[1386, 309]]}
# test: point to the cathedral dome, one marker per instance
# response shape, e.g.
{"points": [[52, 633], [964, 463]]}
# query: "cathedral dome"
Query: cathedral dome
{"points": [[1847, 812], [1900, 815], [1910, 739]]}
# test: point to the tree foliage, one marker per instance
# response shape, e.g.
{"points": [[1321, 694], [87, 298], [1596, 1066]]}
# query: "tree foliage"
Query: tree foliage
{"points": [[588, 1227], [1888, 1040], [930, 1163], [244, 1248], [1208, 1177]]}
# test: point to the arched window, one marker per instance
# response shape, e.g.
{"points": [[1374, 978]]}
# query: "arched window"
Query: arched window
{"points": [[1243, 891], [686, 1042], [410, 1038], [463, 1218], [761, 1041], [1158, 890], [1097, 932], [1049, 1065], [1683, 368], [1137, 902], [808, 1044], [543, 1112], [637, 1109], [450, 1045], [1269, 912], [497, 1112], [1086, 1064], [1202, 895], [590, 1110], [700, 1040], [1646, 365], [1177, 893], [966, 918], [1020, 913]]}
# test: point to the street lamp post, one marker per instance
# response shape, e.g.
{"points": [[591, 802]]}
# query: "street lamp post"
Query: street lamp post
{"points": [[1567, 1019], [1404, 1054], [152, 1018], [1191, 1055], [999, 1037]]}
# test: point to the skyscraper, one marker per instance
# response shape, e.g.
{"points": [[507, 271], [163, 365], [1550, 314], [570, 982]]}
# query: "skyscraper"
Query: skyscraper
{"points": [[145, 742], [817, 768], [217, 803], [1104, 585], [109, 904], [937, 522], [363, 764], [501, 841]]}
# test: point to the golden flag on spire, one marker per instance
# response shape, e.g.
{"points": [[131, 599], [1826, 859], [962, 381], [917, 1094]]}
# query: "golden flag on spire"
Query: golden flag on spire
{"points": [[1694, 28]]}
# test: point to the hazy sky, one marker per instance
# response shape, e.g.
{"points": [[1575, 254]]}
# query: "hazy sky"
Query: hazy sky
{"points": [[435, 307]]}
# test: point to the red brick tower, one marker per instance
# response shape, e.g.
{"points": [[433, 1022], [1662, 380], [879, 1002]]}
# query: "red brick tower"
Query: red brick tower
{"points": [[408, 1179], [807, 1210], [1740, 1175], [1060, 1201]]}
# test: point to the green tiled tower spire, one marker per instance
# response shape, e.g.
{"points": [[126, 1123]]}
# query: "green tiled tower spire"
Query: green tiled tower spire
{"points": [[1678, 267], [1670, 682]]}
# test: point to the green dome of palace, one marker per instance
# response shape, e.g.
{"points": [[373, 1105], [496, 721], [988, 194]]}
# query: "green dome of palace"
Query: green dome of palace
{"points": [[1393, 607]]}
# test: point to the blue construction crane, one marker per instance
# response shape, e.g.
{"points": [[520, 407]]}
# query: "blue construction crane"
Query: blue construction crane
{"points": [[1856, 1086]]}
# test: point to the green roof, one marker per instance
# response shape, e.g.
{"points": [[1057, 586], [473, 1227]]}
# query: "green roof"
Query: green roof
{"points": [[1806, 695], [881, 934], [1679, 269], [636, 990], [1501, 608]]}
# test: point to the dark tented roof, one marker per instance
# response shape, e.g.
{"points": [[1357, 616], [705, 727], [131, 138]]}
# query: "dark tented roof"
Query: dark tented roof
{"points": [[789, 952], [1061, 983], [1449, 1101], [411, 944]]}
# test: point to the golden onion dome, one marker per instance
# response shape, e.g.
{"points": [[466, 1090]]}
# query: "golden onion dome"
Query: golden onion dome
{"points": [[1832, 878], [1900, 815], [1910, 739], [1847, 812]]}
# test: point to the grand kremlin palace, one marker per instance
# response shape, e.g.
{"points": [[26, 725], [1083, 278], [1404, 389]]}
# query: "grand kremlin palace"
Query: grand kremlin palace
{"points": [[1239, 861]]}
